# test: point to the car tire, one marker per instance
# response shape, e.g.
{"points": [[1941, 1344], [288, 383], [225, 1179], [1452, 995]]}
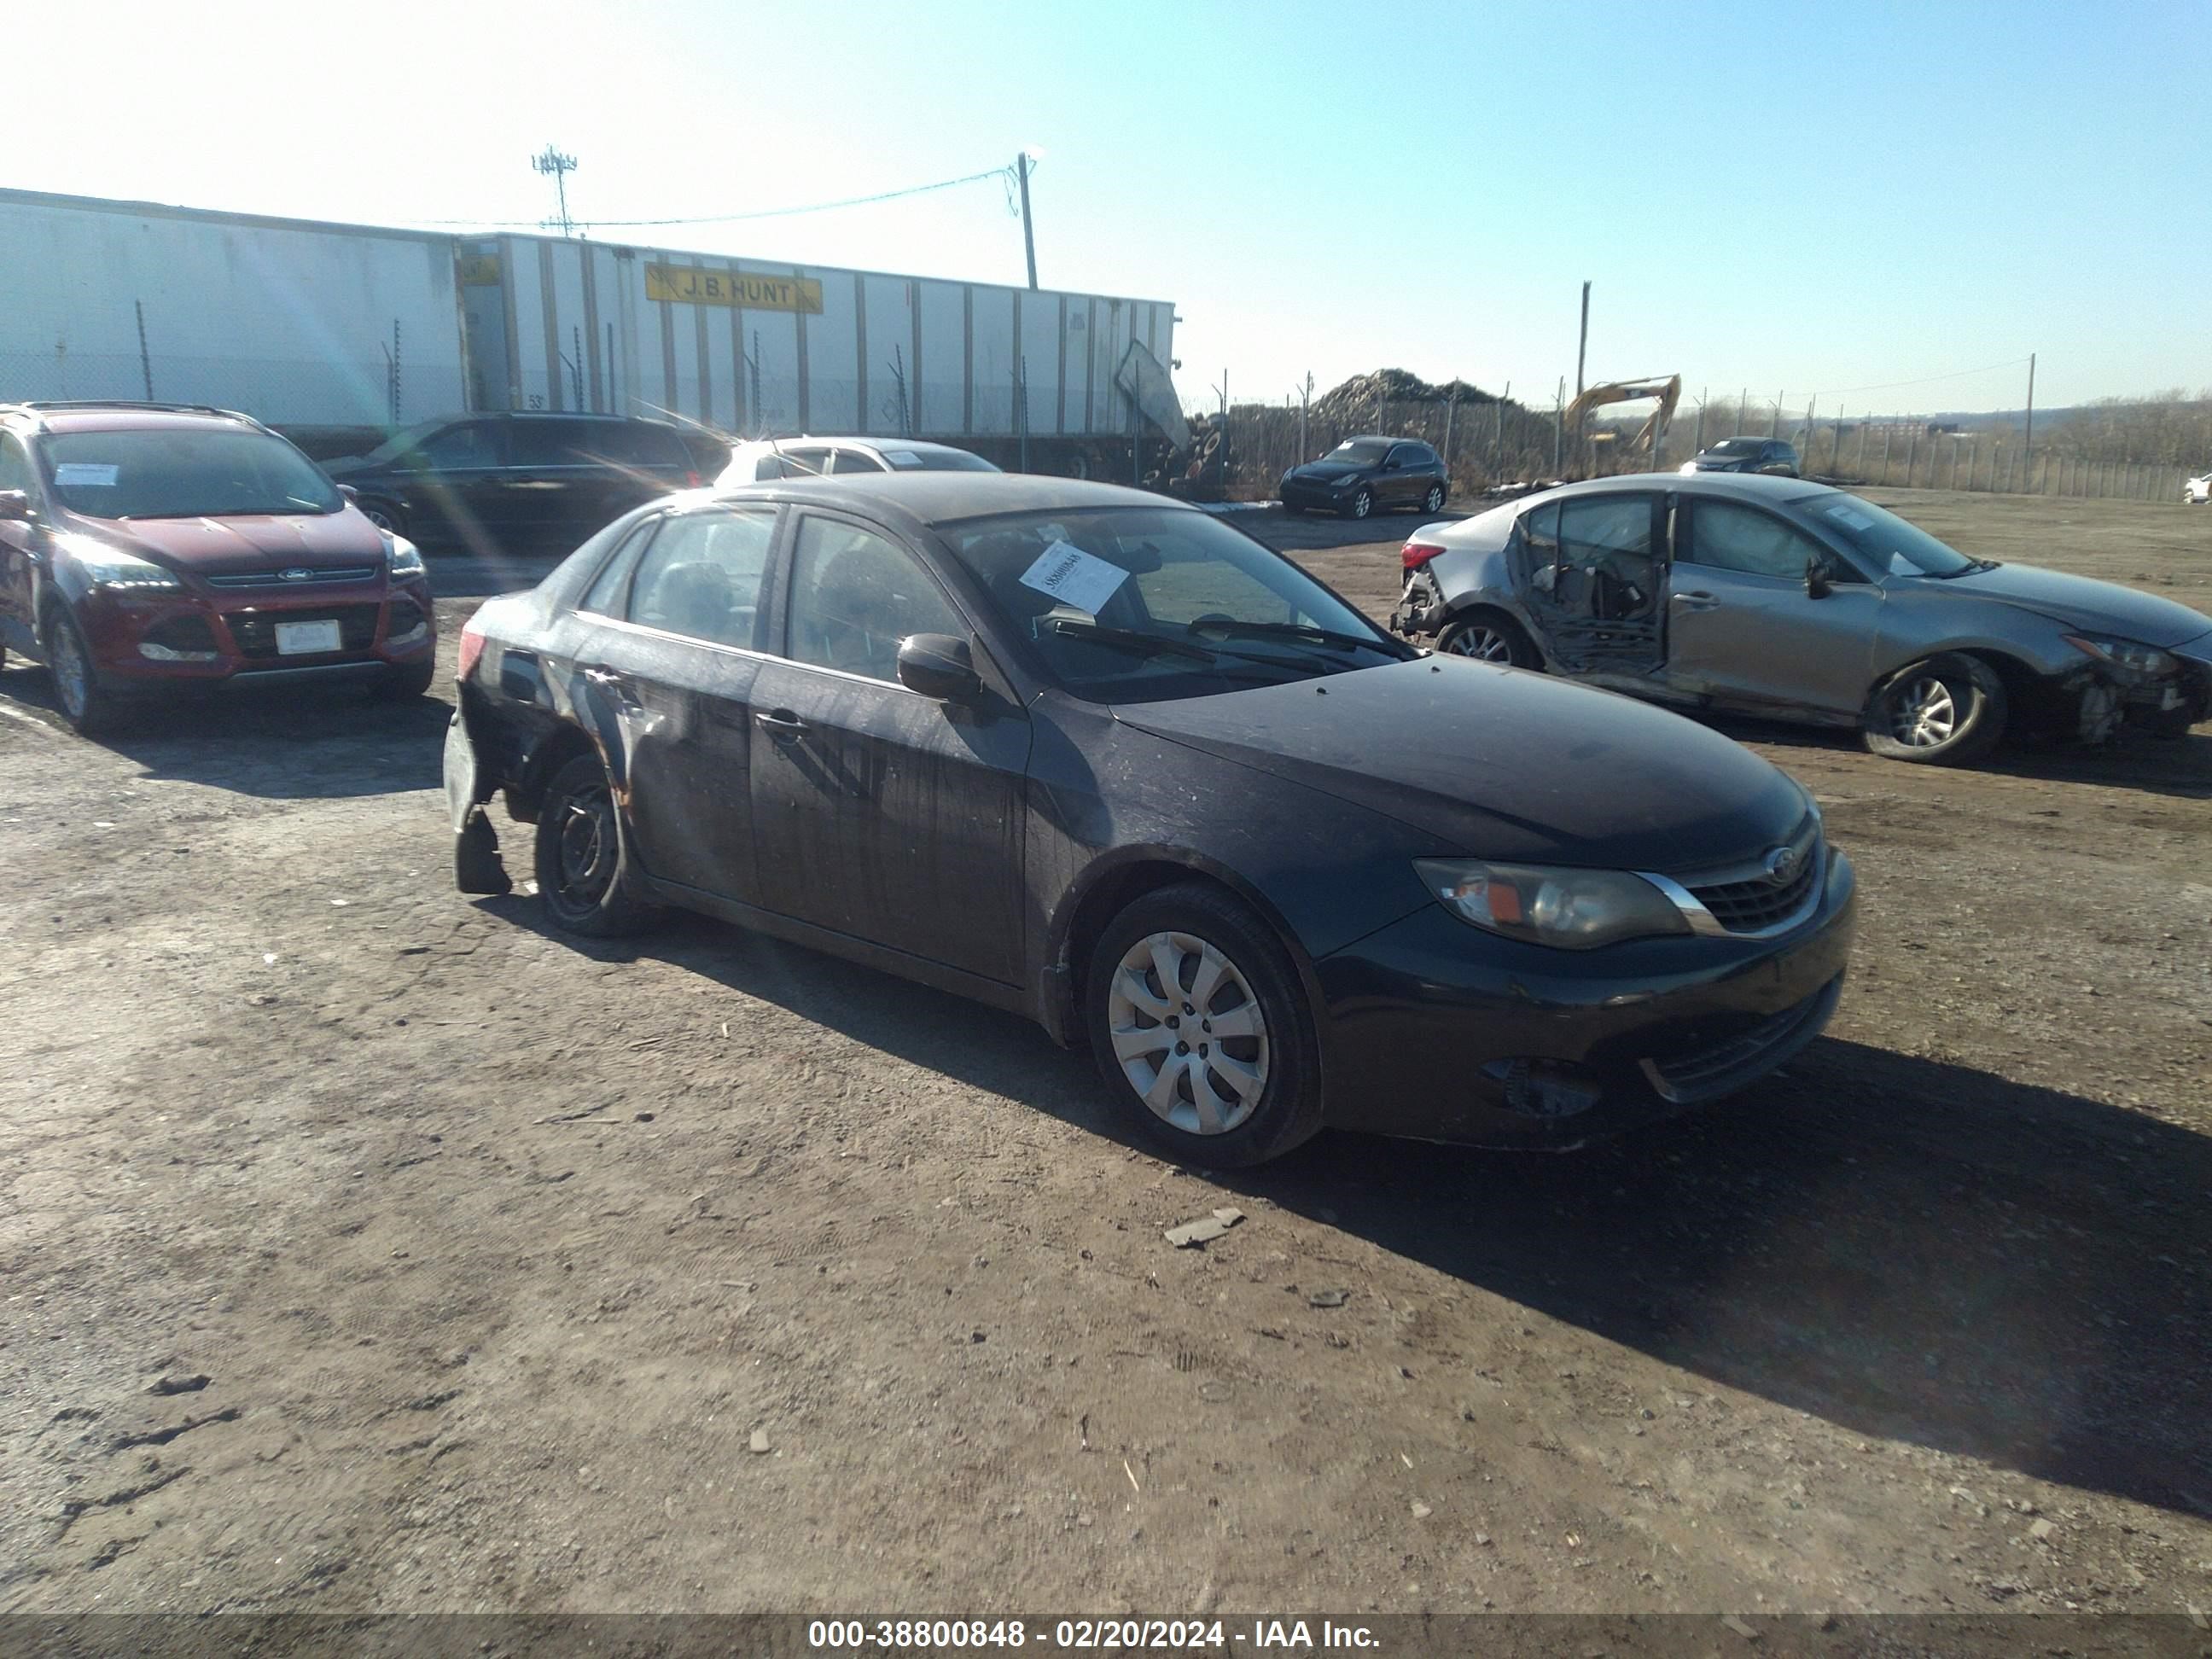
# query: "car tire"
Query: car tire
{"points": [[1948, 710], [91, 710], [1360, 505], [407, 681], [1294, 509], [583, 859], [1490, 636], [1434, 500], [1196, 928]]}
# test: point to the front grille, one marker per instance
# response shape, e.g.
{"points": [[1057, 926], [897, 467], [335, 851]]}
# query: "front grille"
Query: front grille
{"points": [[255, 631], [313, 577], [1750, 906], [1717, 1068], [189, 633]]}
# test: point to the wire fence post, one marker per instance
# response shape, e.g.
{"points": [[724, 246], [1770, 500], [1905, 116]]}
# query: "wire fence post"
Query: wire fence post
{"points": [[145, 361]]}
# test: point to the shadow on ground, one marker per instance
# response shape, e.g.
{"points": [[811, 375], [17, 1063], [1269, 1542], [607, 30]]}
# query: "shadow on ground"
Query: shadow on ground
{"points": [[280, 744], [1909, 1248]]}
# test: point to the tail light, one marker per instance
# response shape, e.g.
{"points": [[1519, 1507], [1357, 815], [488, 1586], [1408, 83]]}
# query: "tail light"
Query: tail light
{"points": [[692, 481], [1414, 555], [472, 645]]}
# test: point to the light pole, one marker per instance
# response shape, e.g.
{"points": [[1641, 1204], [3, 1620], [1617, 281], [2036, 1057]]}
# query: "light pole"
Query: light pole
{"points": [[1023, 163]]}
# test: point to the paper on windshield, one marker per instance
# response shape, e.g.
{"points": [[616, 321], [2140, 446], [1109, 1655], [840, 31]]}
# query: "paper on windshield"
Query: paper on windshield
{"points": [[1068, 573], [89, 474], [902, 457], [1849, 515]]}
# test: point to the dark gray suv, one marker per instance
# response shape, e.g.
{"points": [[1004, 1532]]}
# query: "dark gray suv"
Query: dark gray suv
{"points": [[1746, 455]]}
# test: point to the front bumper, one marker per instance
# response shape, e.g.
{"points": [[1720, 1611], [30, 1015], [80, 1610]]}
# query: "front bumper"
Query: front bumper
{"points": [[1437, 1031], [144, 644], [1294, 492]]}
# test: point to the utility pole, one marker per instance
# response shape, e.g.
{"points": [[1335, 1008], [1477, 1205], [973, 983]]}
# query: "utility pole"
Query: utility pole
{"points": [[2027, 445], [552, 163], [1558, 405], [1305, 397], [1023, 163], [1581, 345]]}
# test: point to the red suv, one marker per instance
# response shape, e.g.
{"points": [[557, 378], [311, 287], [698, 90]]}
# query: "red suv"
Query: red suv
{"points": [[146, 548]]}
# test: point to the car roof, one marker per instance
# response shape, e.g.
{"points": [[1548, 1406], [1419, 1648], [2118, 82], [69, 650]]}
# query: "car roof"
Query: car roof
{"points": [[937, 498], [878, 444], [1739, 486], [122, 416]]}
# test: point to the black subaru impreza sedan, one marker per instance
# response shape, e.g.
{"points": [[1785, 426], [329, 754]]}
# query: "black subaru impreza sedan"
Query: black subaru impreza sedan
{"points": [[1105, 760]]}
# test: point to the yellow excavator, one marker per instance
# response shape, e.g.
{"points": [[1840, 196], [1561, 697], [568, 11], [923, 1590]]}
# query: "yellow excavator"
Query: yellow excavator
{"points": [[1666, 392]]}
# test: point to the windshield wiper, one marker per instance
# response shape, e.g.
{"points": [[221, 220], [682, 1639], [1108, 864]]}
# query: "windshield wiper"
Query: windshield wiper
{"points": [[1131, 639], [1285, 630]]}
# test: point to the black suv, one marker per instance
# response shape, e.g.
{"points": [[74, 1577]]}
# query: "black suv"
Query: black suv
{"points": [[1361, 474], [507, 480], [1746, 455]]}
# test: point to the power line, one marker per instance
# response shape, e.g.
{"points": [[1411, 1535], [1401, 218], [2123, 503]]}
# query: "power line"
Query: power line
{"points": [[1930, 379], [1006, 173]]}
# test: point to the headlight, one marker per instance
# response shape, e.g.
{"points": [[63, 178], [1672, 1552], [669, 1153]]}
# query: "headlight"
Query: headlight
{"points": [[1687, 466], [1573, 909], [104, 566], [2130, 657], [404, 558]]}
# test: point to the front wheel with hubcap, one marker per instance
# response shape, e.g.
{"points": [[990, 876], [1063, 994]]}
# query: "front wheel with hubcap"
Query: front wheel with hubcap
{"points": [[1201, 1029], [1948, 711], [384, 515], [84, 705], [1361, 504], [1490, 638], [582, 862]]}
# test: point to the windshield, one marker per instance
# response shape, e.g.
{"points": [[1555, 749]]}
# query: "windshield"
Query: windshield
{"points": [[1141, 603], [184, 473], [1361, 451], [1888, 543], [1737, 446]]}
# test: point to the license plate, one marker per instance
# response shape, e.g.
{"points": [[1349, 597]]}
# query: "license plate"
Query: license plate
{"points": [[302, 639]]}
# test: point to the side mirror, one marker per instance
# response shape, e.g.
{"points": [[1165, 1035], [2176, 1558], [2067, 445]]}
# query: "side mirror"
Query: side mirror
{"points": [[15, 506], [1817, 584], [938, 666], [349, 492]]}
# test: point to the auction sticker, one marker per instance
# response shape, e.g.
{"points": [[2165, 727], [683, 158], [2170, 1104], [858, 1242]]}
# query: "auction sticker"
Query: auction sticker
{"points": [[1075, 578], [89, 474]]}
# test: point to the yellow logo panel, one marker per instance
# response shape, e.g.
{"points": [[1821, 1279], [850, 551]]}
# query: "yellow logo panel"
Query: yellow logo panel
{"points": [[689, 285]]}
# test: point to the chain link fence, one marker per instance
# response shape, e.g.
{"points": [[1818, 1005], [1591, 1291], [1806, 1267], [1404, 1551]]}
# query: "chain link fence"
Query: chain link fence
{"points": [[2121, 451]]}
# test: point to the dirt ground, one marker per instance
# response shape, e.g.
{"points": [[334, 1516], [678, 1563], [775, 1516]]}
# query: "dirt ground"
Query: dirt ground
{"points": [[365, 1247]]}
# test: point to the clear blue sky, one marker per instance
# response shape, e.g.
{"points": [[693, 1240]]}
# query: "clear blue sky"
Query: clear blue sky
{"points": [[1811, 197]]}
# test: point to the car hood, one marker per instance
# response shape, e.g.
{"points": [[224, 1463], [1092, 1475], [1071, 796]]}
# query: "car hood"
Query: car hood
{"points": [[1328, 472], [2080, 602], [1500, 763], [1720, 463], [220, 547]]}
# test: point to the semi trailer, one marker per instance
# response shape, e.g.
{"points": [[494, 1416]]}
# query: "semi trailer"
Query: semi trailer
{"points": [[320, 329]]}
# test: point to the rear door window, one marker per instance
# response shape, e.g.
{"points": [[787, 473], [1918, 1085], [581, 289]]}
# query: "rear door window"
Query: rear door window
{"points": [[644, 444], [854, 460], [554, 443], [702, 575], [604, 596], [1606, 568], [457, 448]]}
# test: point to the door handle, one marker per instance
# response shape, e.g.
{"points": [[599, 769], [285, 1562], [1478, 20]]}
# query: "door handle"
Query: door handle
{"points": [[616, 685], [781, 724], [1697, 601]]}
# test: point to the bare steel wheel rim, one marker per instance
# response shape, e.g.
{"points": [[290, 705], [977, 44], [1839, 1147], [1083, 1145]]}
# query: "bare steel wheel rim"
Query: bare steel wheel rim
{"points": [[588, 846], [1188, 1033], [72, 674], [1484, 644], [1922, 713]]}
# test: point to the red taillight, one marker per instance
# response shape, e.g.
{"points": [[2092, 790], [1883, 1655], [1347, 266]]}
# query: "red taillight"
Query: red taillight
{"points": [[1413, 555], [692, 481], [472, 645]]}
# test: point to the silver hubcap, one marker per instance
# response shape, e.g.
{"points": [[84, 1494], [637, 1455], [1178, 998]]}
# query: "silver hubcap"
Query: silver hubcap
{"points": [[1922, 713], [1484, 644], [72, 676], [1359, 505], [1188, 1033], [382, 519], [1436, 499]]}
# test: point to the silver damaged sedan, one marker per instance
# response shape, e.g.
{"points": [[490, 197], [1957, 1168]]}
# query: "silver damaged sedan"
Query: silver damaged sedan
{"points": [[1772, 597]]}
